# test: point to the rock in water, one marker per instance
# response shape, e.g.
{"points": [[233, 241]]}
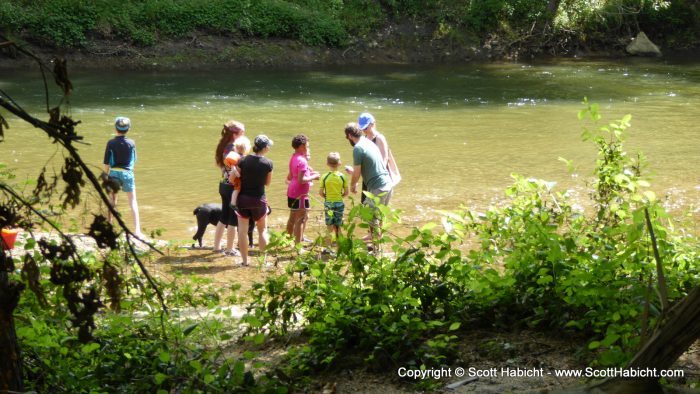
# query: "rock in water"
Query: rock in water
{"points": [[642, 46]]}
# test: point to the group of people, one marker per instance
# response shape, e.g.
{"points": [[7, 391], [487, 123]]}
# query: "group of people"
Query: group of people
{"points": [[245, 174]]}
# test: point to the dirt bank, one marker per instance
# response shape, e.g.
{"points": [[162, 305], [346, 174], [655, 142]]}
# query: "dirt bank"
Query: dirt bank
{"points": [[396, 44]]}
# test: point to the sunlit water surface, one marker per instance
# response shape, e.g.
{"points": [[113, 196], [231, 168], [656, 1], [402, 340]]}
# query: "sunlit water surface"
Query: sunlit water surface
{"points": [[457, 133]]}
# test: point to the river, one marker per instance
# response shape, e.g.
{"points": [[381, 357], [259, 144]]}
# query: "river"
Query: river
{"points": [[457, 132]]}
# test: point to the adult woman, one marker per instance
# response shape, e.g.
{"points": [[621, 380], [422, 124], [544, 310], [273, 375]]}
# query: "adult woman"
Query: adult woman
{"points": [[256, 173], [368, 125], [232, 130]]}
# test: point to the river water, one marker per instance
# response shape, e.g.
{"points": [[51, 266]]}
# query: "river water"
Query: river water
{"points": [[457, 132]]}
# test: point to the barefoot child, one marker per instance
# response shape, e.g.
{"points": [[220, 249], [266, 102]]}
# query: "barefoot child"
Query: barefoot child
{"points": [[119, 160], [241, 147], [334, 186]]}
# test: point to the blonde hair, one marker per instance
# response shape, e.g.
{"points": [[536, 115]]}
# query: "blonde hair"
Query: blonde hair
{"points": [[333, 159], [242, 145]]}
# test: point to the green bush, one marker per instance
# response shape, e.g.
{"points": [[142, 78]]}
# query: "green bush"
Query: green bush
{"points": [[64, 23], [536, 261]]}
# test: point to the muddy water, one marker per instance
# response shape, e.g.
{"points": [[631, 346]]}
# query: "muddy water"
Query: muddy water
{"points": [[457, 133]]}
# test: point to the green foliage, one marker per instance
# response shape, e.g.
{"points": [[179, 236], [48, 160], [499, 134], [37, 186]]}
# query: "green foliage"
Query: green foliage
{"points": [[71, 23], [538, 260], [594, 274], [62, 22], [68, 23], [138, 349]]}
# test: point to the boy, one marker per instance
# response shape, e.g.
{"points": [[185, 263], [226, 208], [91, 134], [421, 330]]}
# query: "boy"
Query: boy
{"points": [[299, 177], [334, 186], [241, 147], [119, 160]]}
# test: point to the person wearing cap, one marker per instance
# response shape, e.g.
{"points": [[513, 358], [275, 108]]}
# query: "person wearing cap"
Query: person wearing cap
{"points": [[255, 171], [119, 161], [367, 162], [368, 125], [228, 220]]}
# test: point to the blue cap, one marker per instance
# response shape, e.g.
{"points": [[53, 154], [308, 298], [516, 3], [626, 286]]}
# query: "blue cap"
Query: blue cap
{"points": [[365, 120], [122, 123]]}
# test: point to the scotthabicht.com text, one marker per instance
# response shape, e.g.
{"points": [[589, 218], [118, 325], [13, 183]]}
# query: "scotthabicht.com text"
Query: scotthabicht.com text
{"points": [[445, 372]]}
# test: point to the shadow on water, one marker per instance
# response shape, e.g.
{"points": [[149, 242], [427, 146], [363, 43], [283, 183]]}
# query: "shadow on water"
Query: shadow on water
{"points": [[457, 132], [431, 87]]}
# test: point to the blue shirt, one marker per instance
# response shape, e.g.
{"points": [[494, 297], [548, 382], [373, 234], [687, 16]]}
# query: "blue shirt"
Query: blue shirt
{"points": [[120, 153]]}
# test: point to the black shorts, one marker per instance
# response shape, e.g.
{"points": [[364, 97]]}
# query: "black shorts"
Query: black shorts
{"points": [[293, 203], [228, 216], [250, 207]]}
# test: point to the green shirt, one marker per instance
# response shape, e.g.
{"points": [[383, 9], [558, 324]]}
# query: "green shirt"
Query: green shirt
{"points": [[366, 155], [333, 183]]}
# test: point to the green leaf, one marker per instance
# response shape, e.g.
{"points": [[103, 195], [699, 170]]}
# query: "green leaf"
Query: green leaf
{"points": [[593, 345], [188, 330], [609, 340], [455, 326], [160, 378], [164, 357], [428, 227], [90, 347]]}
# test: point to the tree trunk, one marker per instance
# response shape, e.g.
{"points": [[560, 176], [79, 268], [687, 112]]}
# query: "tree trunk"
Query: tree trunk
{"points": [[552, 9], [10, 361], [681, 329]]}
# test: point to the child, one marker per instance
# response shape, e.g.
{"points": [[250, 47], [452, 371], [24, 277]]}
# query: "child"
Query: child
{"points": [[119, 160], [334, 186], [299, 177], [241, 147]]}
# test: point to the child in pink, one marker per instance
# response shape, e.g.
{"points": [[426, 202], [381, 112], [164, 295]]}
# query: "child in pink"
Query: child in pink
{"points": [[299, 178]]}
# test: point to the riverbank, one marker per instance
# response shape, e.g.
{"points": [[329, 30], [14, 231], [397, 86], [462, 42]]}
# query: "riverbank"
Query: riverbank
{"points": [[395, 44]]}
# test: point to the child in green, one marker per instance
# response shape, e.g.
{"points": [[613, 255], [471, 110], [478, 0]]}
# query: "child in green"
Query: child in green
{"points": [[334, 186]]}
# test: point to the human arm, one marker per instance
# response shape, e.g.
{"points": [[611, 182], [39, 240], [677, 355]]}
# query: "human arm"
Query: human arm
{"points": [[233, 174], [268, 180], [302, 168], [107, 159], [308, 178], [357, 170], [322, 189], [383, 148]]}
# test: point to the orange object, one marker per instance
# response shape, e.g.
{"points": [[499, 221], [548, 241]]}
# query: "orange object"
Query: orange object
{"points": [[8, 238]]}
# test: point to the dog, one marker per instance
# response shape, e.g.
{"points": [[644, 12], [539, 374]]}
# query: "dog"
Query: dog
{"points": [[210, 214]]}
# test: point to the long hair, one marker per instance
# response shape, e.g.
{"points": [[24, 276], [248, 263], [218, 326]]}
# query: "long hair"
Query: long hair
{"points": [[231, 130]]}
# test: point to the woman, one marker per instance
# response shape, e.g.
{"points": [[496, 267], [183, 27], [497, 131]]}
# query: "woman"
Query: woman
{"points": [[232, 130], [256, 172]]}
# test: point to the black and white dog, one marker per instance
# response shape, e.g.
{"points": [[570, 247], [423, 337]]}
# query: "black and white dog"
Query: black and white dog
{"points": [[210, 214]]}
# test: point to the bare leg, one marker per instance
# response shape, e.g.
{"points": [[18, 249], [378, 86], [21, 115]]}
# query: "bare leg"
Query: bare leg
{"points": [[218, 234], [263, 237], [298, 219], [230, 237], [134, 205], [234, 197], [290, 222], [113, 198], [243, 239]]}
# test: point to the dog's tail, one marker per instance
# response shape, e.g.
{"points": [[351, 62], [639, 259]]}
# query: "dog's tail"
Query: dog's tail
{"points": [[195, 211]]}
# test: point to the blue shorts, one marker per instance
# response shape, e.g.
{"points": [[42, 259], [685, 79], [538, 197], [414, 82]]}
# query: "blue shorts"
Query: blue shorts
{"points": [[334, 213], [124, 178]]}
